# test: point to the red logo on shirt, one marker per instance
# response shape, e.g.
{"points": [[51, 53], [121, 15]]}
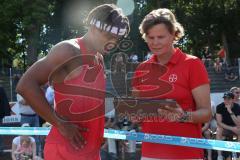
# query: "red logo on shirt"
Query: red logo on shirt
{"points": [[63, 109], [172, 78]]}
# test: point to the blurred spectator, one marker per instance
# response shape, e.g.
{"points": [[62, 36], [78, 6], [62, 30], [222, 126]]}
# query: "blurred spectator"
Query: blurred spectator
{"points": [[230, 73], [209, 128], [4, 111], [228, 69], [111, 144], [236, 92], [128, 147], [149, 54], [16, 78], [24, 147], [28, 115], [228, 119], [133, 58], [112, 149], [131, 148], [42, 138], [222, 54], [109, 147], [206, 53], [235, 62], [119, 66], [204, 60], [206, 56], [217, 65], [231, 76], [4, 104], [49, 94]]}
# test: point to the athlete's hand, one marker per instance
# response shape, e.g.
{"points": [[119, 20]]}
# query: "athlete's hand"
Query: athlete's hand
{"points": [[72, 133]]}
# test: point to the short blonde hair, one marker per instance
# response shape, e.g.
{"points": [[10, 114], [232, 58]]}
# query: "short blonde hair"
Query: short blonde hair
{"points": [[161, 16]]}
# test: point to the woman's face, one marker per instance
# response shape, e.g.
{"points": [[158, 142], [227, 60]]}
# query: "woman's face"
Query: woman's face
{"points": [[159, 39]]}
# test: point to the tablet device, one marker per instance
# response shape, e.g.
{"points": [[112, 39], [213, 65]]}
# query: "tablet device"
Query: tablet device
{"points": [[147, 106]]}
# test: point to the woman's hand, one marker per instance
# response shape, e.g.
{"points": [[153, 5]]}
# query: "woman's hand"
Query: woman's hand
{"points": [[173, 114]]}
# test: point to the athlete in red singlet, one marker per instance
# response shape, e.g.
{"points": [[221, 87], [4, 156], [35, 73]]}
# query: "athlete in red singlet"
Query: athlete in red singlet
{"points": [[80, 104], [75, 69]]}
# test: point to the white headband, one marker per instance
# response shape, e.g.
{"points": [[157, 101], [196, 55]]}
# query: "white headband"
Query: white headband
{"points": [[112, 29]]}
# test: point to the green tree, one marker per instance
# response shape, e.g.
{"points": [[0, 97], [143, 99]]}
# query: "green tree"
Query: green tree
{"points": [[32, 27], [207, 23], [9, 27], [211, 23], [34, 15]]}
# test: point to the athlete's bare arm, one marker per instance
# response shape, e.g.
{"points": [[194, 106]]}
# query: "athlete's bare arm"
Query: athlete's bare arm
{"points": [[38, 75]]}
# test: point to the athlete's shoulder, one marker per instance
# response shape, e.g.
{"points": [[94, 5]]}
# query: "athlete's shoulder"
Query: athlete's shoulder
{"points": [[64, 50], [66, 47]]}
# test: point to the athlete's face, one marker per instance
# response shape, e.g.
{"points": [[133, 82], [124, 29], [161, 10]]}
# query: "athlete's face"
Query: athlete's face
{"points": [[105, 41], [159, 39], [111, 41]]}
